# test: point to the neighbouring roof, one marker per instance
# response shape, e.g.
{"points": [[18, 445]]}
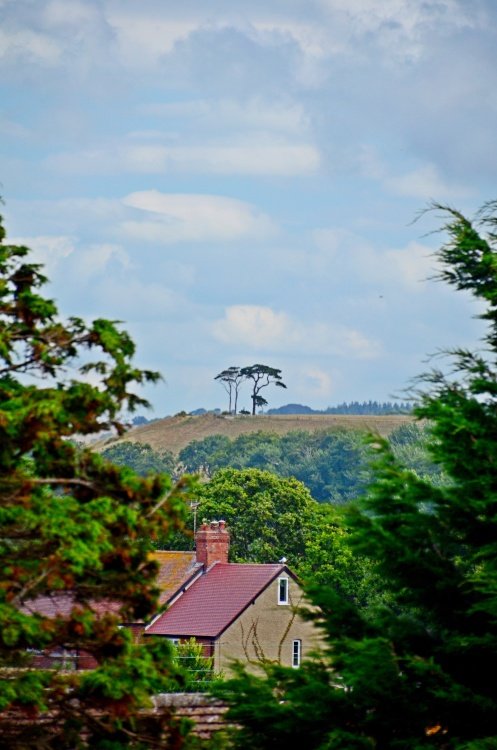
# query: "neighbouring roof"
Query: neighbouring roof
{"points": [[215, 599], [176, 569], [206, 713], [60, 604]]}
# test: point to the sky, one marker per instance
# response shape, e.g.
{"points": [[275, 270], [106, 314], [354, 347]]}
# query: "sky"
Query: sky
{"points": [[239, 182]]}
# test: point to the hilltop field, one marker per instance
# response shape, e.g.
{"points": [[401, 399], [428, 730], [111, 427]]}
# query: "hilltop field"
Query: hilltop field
{"points": [[175, 433]]}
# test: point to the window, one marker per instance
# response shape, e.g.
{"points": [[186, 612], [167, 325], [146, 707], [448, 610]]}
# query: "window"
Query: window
{"points": [[282, 590], [296, 653]]}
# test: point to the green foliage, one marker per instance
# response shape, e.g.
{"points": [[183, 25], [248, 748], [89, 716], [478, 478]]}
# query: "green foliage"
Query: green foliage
{"points": [[265, 514], [140, 457], [412, 445], [370, 407], [195, 670], [333, 465], [418, 670], [75, 530], [330, 561], [205, 456]]}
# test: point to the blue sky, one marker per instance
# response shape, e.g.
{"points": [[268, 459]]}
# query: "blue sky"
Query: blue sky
{"points": [[237, 180]]}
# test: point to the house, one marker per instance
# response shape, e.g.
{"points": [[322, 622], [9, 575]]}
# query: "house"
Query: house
{"points": [[244, 612]]}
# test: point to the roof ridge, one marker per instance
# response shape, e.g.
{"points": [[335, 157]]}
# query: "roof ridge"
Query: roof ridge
{"points": [[172, 551], [250, 565]]}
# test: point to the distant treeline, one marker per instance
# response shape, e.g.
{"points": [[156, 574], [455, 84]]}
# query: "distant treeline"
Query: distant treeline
{"points": [[374, 408], [353, 407], [334, 465]]}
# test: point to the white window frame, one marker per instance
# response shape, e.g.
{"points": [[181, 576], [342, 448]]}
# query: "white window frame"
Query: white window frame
{"points": [[285, 590], [296, 653]]}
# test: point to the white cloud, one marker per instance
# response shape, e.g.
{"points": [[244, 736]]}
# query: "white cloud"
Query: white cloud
{"points": [[69, 12], [271, 158], [256, 113], [148, 215], [86, 260], [351, 256], [318, 383], [29, 46], [92, 260], [173, 217], [425, 183], [410, 265], [262, 328], [134, 300], [251, 158], [66, 39], [400, 27], [258, 327], [143, 40], [313, 38]]}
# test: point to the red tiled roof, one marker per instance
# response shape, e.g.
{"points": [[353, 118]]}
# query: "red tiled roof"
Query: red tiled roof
{"points": [[61, 604], [215, 600], [175, 570]]}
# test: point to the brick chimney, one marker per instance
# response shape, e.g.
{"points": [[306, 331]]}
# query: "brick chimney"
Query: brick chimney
{"points": [[212, 543]]}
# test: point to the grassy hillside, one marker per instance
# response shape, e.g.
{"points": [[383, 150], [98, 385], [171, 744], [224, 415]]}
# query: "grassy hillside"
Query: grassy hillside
{"points": [[175, 433]]}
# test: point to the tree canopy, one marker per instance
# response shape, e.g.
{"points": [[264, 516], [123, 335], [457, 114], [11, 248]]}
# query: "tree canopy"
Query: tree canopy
{"points": [[75, 530], [266, 515], [140, 457], [333, 464], [231, 379], [419, 670], [261, 376]]}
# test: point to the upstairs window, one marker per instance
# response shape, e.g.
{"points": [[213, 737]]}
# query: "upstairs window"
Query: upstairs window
{"points": [[282, 590], [296, 653]]}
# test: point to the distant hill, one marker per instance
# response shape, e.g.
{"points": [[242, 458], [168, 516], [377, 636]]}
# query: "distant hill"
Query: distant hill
{"points": [[293, 409], [352, 407], [175, 433]]}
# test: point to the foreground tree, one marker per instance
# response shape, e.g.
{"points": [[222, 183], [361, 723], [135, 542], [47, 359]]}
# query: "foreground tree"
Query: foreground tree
{"points": [[75, 531], [418, 672], [261, 376]]}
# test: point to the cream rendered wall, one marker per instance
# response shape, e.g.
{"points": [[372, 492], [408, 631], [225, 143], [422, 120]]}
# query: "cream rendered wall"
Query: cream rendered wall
{"points": [[265, 631]]}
